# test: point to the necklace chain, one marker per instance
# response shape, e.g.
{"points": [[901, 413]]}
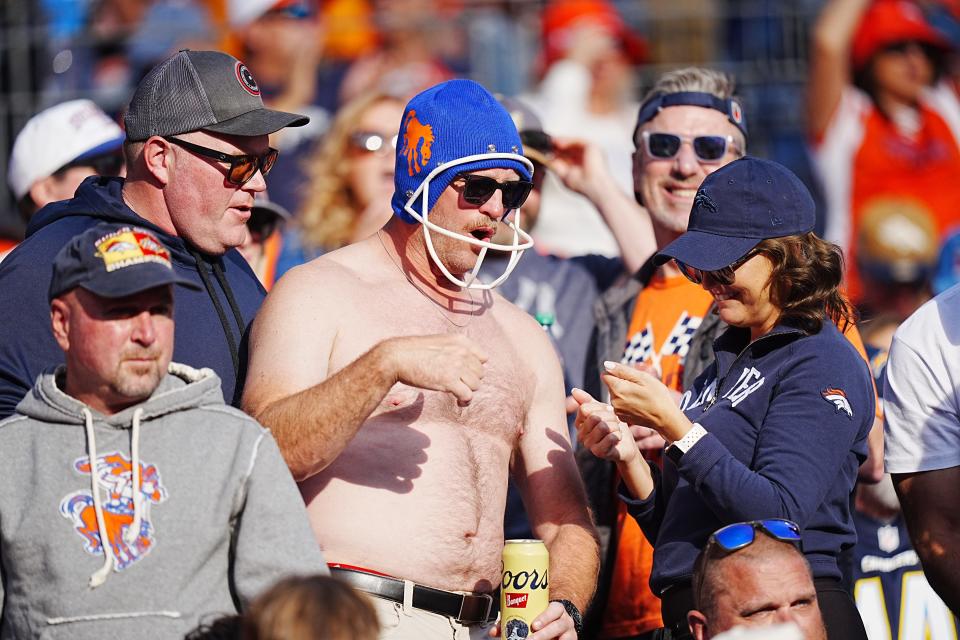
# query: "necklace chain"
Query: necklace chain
{"points": [[433, 303]]}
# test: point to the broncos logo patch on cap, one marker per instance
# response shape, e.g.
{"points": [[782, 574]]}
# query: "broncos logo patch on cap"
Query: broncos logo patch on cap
{"points": [[417, 141], [128, 247], [838, 398]]}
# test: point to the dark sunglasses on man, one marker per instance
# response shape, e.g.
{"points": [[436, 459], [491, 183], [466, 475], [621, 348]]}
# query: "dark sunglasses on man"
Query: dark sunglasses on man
{"points": [[262, 223], [242, 167], [478, 189], [708, 149], [724, 276]]}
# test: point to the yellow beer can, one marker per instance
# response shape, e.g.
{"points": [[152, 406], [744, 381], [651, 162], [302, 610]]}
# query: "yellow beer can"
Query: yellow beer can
{"points": [[525, 588]]}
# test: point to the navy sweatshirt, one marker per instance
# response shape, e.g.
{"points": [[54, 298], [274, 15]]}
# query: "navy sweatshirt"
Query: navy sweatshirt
{"points": [[27, 346], [787, 420]]}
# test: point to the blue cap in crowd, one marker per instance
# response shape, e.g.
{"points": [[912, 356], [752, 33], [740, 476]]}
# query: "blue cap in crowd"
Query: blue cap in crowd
{"points": [[738, 206], [452, 120], [113, 261]]}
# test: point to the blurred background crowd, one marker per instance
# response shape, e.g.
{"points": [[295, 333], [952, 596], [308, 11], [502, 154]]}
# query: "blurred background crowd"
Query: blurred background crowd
{"points": [[858, 98]]}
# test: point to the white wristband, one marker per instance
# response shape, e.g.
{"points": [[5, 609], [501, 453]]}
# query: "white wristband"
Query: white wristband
{"points": [[693, 436]]}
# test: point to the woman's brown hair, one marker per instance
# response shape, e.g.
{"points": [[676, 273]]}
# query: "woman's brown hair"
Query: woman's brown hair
{"points": [[805, 282]]}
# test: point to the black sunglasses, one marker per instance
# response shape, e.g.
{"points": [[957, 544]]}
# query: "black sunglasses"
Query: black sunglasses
{"points": [[537, 140], [724, 275], [262, 223], [108, 164], [242, 167], [665, 146], [478, 189]]}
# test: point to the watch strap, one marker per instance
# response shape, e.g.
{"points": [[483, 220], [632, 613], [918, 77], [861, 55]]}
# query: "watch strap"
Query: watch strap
{"points": [[676, 450], [574, 613]]}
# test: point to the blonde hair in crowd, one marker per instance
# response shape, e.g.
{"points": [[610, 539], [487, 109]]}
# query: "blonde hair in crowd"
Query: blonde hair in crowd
{"points": [[329, 212]]}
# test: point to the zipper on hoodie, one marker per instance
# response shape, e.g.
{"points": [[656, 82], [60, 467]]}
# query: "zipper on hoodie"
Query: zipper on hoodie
{"points": [[716, 395]]}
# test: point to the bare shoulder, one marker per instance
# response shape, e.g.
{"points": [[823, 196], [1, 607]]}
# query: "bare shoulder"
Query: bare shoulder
{"points": [[525, 332], [330, 275]]}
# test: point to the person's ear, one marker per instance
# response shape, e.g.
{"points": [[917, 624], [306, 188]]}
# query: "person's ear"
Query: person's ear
{"points": [[698, 625], [60, 322], [156, 158]]}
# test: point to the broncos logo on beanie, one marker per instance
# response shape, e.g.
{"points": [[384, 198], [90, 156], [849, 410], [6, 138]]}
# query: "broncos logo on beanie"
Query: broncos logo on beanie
{"points": [[449, 121]]}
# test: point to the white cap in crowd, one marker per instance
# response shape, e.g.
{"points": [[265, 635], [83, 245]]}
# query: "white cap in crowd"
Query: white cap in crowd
{"points": [[55, 137]]}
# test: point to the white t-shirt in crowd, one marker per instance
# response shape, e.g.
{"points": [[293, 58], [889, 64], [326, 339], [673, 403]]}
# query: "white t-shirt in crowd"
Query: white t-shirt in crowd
{"points": [[921, 404]]}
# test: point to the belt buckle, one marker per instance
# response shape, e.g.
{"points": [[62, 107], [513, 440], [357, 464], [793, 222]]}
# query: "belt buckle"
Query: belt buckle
{"points": [[486, 614]]}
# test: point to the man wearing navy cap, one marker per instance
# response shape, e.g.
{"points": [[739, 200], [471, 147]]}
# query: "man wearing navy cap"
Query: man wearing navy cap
{"points": [[196, 150], [188, 509], [403, 391]]}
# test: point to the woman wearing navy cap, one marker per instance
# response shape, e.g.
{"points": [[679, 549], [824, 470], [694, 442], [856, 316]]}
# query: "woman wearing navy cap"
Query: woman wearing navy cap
{"points": [[776, 427]]}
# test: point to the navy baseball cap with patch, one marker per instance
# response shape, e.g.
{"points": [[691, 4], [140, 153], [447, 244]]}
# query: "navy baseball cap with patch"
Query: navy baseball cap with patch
{"points": [[202, 90], [113, 261], [738, 206]]}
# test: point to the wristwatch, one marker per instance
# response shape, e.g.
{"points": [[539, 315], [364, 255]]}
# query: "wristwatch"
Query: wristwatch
{"points": [[676, 450], [574, 613]]}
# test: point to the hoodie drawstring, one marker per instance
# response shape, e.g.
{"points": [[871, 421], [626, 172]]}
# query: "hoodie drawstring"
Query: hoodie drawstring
{"points": [[100, 575], [133, 530]]}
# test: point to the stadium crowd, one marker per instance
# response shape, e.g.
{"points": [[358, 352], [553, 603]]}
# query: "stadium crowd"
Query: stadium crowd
{"points": [[519, 275]]}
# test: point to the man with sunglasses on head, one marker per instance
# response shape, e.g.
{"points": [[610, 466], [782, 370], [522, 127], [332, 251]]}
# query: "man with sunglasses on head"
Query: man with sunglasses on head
{"points": [[196, 151], [753, 575], [404, 392]]}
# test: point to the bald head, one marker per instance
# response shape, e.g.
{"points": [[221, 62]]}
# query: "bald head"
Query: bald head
{"points": [[765, 583]]}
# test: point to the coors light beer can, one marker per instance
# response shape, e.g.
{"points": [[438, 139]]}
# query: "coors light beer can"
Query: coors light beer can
{"points": [[525, 589]]}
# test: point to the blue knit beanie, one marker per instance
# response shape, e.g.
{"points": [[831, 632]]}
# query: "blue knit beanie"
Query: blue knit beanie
{"points": [[451, 120]]}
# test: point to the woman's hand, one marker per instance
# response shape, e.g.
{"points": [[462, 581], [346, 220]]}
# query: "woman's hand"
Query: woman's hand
{"points": [[640, 398], [600, 431]]}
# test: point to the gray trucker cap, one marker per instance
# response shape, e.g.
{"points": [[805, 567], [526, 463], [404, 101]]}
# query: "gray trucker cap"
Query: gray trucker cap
{"points": [[207, 90]]}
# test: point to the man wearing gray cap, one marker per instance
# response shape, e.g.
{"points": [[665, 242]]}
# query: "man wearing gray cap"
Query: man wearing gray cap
{"points": [[132, 500], [197, 151]]}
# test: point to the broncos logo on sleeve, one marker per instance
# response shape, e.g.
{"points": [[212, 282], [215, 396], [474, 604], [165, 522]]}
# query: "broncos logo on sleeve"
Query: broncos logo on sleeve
{"points": [[838, 398], [417, 141], [115, 474]]}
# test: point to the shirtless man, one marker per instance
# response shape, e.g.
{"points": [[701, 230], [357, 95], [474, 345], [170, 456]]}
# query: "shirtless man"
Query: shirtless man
{"points": [[402, 391]]}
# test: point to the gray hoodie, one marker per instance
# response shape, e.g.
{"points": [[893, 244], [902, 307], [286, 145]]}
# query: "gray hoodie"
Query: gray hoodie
{"points": [[218, 517]]}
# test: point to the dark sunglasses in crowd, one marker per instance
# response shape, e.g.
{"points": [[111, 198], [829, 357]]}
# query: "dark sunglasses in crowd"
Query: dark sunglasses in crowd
{"points": [[242, 167], [373, 142], [107, 164], [262, 223], [537, 140], [478, 189], [723, 276], [903, 46], [708, 149]]}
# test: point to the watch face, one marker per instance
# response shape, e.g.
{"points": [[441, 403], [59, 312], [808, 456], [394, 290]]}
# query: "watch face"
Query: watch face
{"points": [[674, 453]]}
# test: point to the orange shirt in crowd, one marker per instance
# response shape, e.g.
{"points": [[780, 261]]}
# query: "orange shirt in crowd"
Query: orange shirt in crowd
{"points": [[868, 162], [667, 312]]}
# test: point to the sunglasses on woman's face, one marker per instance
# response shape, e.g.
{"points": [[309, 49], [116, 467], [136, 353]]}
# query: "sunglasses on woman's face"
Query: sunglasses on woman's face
{"points": [[372, 142], [478, 189], [242, 167], [724, 276], [708, 149]]}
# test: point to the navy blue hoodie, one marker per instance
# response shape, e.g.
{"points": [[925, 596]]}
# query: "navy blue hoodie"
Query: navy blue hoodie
{"points": [[211, 324], [787, 419]]}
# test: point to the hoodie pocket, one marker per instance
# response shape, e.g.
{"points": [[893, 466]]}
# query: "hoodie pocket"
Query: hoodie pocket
{"points": [[143, 624]]}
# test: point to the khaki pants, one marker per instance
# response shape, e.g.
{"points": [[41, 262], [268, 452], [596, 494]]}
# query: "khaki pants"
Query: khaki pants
{"points": [[406, 623]]}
